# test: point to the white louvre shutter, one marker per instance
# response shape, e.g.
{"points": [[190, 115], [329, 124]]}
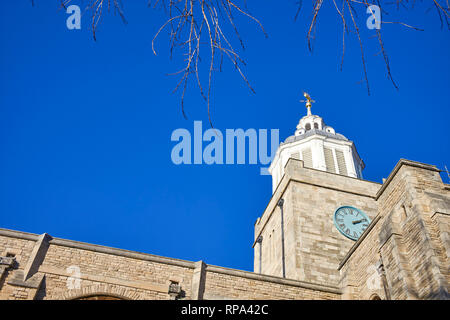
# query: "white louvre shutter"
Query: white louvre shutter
{"points": [[329, 160], [341, 162], [307, 158]]}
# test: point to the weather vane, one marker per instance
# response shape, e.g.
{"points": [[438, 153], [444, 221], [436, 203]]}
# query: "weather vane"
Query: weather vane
{"points": [[308, 101]]}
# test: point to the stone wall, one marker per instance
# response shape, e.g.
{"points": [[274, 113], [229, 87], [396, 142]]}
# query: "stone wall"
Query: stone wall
{"points": [[404, 253], [222, 283], [41, 267]]}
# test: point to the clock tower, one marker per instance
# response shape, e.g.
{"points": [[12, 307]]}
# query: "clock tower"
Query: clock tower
{"points": [[319, 207]]}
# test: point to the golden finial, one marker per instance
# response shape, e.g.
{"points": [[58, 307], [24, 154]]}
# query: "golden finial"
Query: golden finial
{"points": [[308, 101]]}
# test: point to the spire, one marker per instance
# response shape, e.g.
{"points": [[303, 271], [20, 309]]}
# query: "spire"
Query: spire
{"points": [[309, 102]]}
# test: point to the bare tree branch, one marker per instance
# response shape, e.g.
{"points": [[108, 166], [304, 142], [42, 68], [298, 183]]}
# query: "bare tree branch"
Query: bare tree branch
{"points": [[193, 25]]}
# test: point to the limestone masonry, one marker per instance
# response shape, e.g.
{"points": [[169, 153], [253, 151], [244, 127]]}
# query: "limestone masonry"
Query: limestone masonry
{"points": [[325, 234]]}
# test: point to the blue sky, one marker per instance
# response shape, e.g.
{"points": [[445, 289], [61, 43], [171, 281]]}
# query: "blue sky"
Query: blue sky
{"points": [[85, 126]]}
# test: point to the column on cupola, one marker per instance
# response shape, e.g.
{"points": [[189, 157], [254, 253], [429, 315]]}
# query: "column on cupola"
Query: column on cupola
{"points": [[350, 162]]}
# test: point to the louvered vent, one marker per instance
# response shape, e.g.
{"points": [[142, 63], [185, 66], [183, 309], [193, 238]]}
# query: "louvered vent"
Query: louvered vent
{"points": [[307, 158], [295, 155], [341, 162], [329, 161]]}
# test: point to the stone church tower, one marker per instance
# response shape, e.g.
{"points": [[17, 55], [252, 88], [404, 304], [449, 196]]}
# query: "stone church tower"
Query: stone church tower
{"points": [[324, 225], [296, 237]]}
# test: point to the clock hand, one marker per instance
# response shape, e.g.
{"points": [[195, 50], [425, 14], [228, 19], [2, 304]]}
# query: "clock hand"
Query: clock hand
{"points": [[358, 221]]}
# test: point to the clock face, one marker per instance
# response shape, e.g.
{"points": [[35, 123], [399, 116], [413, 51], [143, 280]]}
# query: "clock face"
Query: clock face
{"points": [[351, 222]]}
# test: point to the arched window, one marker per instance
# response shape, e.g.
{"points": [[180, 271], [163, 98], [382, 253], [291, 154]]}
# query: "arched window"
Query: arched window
{"points": [[375, 297], [316, 125], [308, 126]]}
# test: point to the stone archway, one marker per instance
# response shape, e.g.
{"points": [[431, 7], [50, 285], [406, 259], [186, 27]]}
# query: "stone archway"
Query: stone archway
{"points": [[102, 292], [99, 297]]}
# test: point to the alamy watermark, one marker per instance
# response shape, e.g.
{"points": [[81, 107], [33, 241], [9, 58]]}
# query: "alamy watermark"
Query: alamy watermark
{"points": [[74, 20], [373, 282], [224, 149], [374, 20], [74, 281]]}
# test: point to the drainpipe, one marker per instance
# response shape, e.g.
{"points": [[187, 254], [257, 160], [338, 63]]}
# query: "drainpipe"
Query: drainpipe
{"points": [[280, 204], [259, 240]]}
